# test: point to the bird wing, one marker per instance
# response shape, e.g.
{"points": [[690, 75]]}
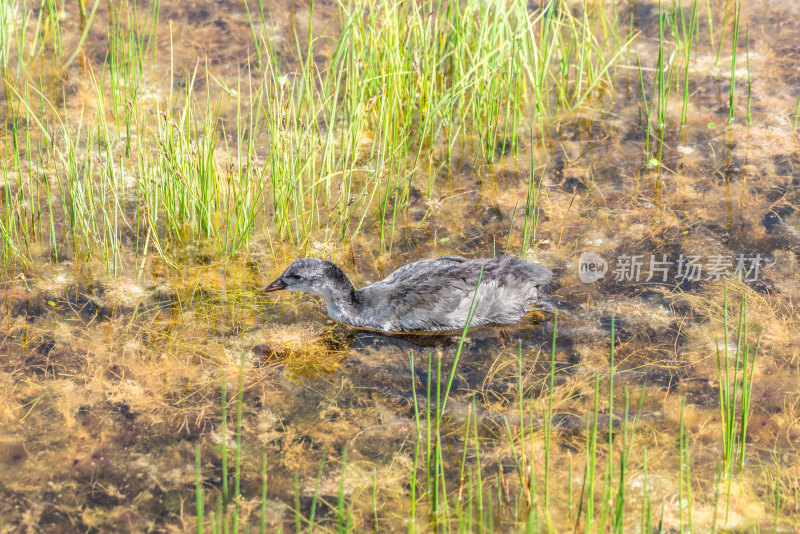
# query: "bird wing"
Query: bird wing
{"points": [[433, 295], [410, 272]]}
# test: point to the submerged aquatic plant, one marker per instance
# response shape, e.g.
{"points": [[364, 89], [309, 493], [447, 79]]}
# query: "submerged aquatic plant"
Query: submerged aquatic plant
{"points": [[479, 500]]}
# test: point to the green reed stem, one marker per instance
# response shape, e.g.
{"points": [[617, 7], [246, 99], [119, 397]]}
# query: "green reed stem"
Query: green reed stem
{"points": [[263, 515], [722, 31], [238, 450], [478, 470], [374, 501], [340, 516], [199, 496], [314, 498], [549, 420], [470, 316], [749, 80], [224, 444], [797, 114], [734, 46], [688, 41]]}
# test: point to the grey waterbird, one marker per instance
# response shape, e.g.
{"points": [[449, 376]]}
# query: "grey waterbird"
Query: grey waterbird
{"points": [[425, 296]]}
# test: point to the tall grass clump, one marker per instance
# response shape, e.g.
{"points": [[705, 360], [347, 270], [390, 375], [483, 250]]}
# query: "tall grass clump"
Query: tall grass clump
{"points": [[654, 109], [482, 499], [735, 380], [310, 143], [531, 211], [7, 26], [435, 76], [225, 516]]}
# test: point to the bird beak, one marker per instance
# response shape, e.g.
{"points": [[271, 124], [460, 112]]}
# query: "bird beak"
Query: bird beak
{"points": [[277, 285]]}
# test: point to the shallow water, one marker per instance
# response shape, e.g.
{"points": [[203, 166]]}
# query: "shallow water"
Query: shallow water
{"points": [[108, 383]]}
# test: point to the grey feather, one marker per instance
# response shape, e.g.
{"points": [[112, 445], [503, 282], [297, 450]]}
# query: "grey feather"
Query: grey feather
{"points": [[430, 295]]}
